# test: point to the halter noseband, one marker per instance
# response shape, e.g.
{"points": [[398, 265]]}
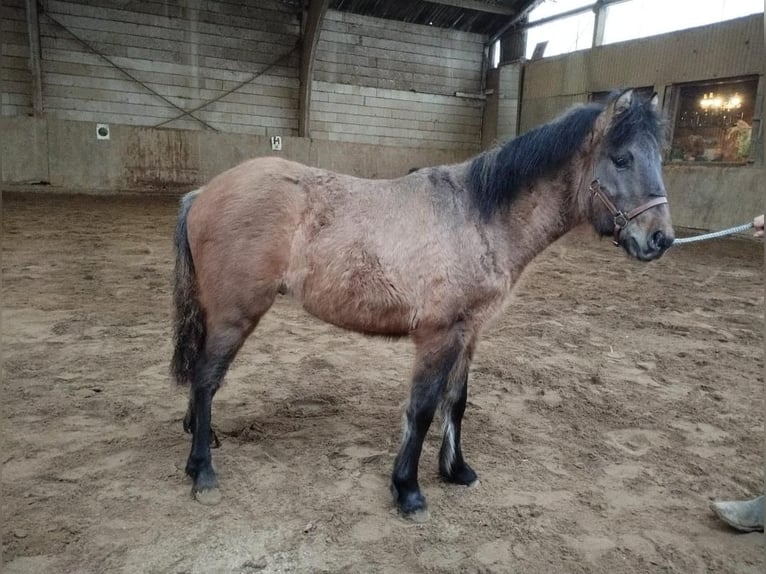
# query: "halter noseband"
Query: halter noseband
{"points": [[621, 219]]}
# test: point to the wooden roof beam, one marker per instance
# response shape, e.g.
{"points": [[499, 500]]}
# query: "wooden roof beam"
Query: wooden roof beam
{"points": [[314, 16], [35, 67], [501, 9]]}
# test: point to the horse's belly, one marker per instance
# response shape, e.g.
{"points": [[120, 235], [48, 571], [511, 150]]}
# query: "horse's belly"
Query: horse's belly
{"points": [[362, 320], [357, 299]]}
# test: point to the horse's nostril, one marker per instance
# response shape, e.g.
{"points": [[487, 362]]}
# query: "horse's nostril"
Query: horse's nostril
{"points": [[659, 241], [654, 240]]}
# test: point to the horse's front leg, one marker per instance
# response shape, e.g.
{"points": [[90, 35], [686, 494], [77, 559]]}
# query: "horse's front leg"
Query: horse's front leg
{"points": [[452, 466], [438, 355]]}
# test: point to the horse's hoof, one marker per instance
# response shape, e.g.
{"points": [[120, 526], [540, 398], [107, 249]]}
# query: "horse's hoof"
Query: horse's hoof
{"points": [[411, 505], [205, 489], [208, 497]]}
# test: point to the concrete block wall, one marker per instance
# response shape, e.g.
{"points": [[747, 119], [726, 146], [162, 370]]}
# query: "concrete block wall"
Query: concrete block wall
{"points": [[15, 77], [188, 51], [393, 83], [383, 96], [376, 81], [66, 156]]}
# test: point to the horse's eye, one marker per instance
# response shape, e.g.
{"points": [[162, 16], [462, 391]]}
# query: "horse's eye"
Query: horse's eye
{"points": [[621, 161]]}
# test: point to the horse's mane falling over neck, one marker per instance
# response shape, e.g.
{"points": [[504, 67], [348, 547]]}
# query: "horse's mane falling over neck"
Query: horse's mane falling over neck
{"points": [[495, 177]]}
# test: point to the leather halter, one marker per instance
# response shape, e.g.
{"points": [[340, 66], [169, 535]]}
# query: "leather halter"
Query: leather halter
{"points": [[621, 219]]}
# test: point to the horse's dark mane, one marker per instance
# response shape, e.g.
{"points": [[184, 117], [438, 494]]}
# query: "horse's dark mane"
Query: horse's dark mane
{"points": [[496, 176]]}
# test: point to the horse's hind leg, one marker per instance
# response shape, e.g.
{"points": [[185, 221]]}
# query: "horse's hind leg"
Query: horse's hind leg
{"points": [[188, 421], [221, 346], [208, 375], [439, 357]]}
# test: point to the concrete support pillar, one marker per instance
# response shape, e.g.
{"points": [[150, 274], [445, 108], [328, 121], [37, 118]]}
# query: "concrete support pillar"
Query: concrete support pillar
{"points": [[489, 117]]}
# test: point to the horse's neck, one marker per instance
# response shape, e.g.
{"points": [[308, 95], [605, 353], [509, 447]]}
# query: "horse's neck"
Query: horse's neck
{"points": [[553, 207]]}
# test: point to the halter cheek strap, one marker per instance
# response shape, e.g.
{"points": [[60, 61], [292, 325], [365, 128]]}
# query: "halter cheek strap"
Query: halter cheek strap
{"points": [[621, 219]]}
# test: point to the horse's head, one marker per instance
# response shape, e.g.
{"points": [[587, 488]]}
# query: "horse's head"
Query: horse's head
{"points": [[627, 194]]}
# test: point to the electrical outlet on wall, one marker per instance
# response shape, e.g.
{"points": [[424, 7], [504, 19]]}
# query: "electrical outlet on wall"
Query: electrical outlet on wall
{"points": [[102, 131], [276, 143]]}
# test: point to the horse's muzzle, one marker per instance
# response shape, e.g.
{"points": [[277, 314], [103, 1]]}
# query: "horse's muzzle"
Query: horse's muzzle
{"points": [[656, 245]]}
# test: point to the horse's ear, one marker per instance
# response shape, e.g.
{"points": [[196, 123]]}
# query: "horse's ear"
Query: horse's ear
{"points": [[655, 101], [614, 109], [623, 102]]}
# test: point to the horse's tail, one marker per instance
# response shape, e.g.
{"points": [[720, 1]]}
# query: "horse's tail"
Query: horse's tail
{"points": [[189, 321]]}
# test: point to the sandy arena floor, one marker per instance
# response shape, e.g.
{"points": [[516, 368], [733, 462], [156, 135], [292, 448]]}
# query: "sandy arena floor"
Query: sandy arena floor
{"points": [[608, 406]]}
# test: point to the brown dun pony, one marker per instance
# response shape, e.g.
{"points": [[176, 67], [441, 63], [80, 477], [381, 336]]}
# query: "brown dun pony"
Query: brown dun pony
{"points": [[432, 255]]}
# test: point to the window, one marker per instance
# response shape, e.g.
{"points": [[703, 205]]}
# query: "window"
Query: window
{"points": [[562, 26], [494, 54], [714, 121], [642, 18], [550, 8], [562, 35]]}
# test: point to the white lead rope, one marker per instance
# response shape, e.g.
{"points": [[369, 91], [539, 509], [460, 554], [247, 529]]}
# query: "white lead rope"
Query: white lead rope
{"points": [[714, 235]]}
